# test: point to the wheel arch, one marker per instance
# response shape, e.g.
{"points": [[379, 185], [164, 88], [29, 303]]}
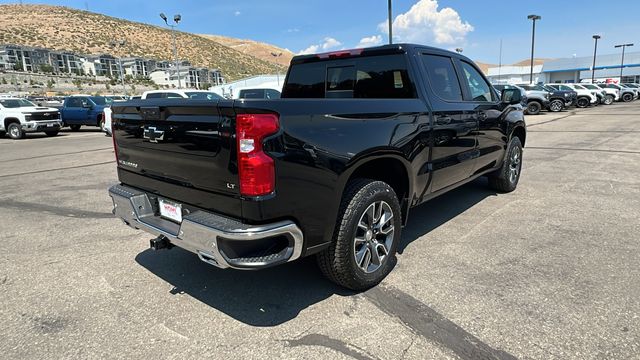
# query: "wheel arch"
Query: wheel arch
{"points": [[10, 120], [390, 168], [520, 132]]}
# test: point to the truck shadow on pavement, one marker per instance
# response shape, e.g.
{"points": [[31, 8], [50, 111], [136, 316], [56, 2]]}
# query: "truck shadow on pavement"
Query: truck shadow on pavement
{"points": [[276, 295]]}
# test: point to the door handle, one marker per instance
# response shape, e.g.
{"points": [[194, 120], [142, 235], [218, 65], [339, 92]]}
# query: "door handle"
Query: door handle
{"points": [[443, 120]]}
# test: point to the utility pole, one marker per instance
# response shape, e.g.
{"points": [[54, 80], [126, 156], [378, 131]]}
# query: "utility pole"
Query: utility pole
{"points": [[176, 19], [623, 46], [595, 52], [533, 42]]}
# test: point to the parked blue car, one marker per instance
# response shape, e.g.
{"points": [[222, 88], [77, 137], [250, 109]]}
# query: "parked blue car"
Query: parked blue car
{"points": [[83, 110]]}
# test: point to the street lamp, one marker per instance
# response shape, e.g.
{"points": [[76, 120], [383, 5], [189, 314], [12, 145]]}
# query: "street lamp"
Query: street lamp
{"points": [[595, 52], [459, 50], [176, 20], [390, 23], [623, 46], [533, 42], [114, 44]]}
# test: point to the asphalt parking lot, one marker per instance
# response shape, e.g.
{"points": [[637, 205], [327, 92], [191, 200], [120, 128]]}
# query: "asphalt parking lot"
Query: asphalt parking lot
{"points": [[551, 271]]}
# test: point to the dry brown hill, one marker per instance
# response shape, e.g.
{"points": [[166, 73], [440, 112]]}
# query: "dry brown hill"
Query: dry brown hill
{"points": [[63, 28], [262, 51], [527, 62]]}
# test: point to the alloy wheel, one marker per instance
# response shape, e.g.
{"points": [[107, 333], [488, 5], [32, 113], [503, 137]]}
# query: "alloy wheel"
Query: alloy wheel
{"points": [[14, 132], [374, 236], [515, 165], [556, 106]]}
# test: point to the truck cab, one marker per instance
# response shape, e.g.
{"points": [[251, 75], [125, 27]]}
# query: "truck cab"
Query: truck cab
{"points": [[79, 110]]}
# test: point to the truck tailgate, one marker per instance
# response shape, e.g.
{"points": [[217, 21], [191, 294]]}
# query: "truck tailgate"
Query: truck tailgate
{"points": [[183, 148]]}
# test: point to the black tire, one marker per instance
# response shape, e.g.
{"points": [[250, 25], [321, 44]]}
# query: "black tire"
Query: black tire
{"points": [[556, 105], [583, 102], [533, 108], [15, 131], [609, 99], [52, 133], [2, 134], [627, 97], [503, 180], [75, 127], [338, 262]]}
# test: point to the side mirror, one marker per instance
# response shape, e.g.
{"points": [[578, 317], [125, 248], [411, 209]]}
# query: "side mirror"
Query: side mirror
{"points": [[511, 96]]}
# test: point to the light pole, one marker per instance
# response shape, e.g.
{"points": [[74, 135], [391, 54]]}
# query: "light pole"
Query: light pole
{"points": [[595, 52], [114, 44], [533, 42], [176, 20], [390, 23], [277, 55], [623, 46]]}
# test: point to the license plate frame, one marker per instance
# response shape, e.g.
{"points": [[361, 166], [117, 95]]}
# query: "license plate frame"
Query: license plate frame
{"points": [[170, 210]]}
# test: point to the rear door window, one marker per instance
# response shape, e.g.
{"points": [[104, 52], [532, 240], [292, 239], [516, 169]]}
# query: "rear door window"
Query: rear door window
{"points": [[155, 96], [74, 102], [442, 77]]}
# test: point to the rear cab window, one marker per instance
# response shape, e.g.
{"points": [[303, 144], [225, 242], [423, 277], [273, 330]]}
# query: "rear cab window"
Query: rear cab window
{"points": [[443, 79], [365, 77]]}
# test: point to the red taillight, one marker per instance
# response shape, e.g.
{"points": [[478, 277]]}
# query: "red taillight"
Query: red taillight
{"points": [[256, 169], [341, 53]]}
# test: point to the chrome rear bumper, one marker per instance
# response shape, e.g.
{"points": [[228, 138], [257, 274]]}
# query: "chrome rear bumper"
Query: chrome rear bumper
{"points": [[201, 232]]}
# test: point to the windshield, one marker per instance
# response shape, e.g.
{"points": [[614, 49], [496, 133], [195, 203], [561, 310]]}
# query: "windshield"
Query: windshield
{"points": [[578, 87], [15, 103], [203, 96], [100, 100], [632, 86], [549, 88], [592, 87]]}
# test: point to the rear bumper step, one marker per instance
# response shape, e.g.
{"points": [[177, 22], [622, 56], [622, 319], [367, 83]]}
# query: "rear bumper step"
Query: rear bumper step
{"points": [[217, 240]]}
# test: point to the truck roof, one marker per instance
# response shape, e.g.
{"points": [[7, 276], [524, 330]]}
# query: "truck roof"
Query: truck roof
{"points": [[376, 50]]}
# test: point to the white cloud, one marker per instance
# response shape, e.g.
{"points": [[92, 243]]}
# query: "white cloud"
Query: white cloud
{"points": [[327, 44], [370, 41], [237, 13], [293, 30], [424, 23]]}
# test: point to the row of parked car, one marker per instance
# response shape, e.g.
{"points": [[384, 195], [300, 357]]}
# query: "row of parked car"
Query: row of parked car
{"points": [[557, 97], [19, 116]]}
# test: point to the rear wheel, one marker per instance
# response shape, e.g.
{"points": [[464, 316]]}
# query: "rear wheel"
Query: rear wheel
{"points": [[75, 127], [583, 102], [52, 133], [627, 97], [609, 99], [533, 108], [15, 131], [506, 178], [363, 251], [556, 105]]}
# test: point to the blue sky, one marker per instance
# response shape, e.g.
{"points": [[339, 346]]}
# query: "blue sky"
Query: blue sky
{"points": [[476, 26]]}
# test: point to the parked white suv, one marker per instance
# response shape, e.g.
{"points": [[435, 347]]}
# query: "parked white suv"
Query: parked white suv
{"points": [[20, 116], [581, 90], [612, 94]]}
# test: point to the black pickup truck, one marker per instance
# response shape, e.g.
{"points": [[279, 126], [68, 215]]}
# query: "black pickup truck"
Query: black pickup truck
{"points": [[331, 169]]}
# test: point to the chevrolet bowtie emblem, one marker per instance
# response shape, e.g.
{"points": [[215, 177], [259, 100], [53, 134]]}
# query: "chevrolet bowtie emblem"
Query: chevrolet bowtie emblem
{"points": [[154, 135]]}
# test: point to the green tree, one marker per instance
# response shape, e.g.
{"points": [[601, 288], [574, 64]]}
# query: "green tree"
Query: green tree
{"points": [[18, 67], [50, 84], [107, 86], [46, 68], [4, 81]]}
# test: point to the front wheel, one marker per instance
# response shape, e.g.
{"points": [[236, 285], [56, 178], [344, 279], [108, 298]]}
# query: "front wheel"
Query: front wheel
{"points": [[609, 99], [15, 131], [533, 108], [627, 97], [75, 127], [363, 251], [556, 105], [51, 133], [506, 178], [583, 102]]}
